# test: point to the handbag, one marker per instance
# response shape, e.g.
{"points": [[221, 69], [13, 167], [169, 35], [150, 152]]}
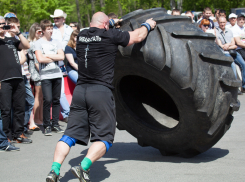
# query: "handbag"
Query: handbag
{"points": [[232, 52]]}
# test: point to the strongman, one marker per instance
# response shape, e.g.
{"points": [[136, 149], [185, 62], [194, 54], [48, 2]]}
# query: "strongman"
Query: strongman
{"points": [[92, 111]]}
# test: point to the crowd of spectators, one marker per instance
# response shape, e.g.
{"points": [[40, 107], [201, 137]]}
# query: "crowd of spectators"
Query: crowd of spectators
{"points": [[42, 65], [230, 36]]}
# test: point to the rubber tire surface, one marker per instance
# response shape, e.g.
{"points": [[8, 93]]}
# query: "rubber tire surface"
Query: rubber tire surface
{"points": [[178, 72]]}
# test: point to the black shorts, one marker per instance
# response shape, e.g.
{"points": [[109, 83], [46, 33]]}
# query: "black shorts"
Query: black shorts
{"points": [[92, 112]]}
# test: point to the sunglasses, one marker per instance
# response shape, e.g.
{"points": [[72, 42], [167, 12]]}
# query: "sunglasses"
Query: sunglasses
{"points": [[2, 23], [56, 18], [206, 26], [72, 26], [39, 31]]}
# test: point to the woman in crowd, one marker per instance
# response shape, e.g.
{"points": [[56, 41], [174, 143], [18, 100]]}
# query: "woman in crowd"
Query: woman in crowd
{"points": [[74, 26], [71, 56], [204, 25], [35, 33]]}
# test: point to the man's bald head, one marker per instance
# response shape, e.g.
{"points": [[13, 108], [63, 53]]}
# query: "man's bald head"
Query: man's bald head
{"points": [[100, 20]]}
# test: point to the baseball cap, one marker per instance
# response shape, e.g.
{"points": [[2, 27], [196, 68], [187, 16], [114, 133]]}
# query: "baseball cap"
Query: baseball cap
{"points": [[9, 15], [241, 15], [232, 15]]}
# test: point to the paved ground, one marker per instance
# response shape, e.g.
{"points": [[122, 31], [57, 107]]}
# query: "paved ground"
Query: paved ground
{"points": [[127, 161]]}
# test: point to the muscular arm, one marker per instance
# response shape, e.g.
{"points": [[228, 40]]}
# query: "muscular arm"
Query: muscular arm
{"points": [[139, 34], [41, 58], [70, 58], [56, 57], [239, 42]]}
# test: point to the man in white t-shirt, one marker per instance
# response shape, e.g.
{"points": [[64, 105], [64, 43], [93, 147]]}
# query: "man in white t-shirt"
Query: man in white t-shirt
{"points": [[232, 20], [48, 52]]}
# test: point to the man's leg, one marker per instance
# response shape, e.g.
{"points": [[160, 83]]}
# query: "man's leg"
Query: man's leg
{"points": [[64, 105], [29, 102], [56, 87], [240, 62], [47, 100], [6, 89]]}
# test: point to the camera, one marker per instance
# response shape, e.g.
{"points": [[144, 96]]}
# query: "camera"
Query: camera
{"points": [[6, 27]]}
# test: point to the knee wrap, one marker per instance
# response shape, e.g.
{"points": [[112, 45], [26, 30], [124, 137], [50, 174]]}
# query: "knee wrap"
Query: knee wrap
{"points": [[107, 144], [68, 140]]}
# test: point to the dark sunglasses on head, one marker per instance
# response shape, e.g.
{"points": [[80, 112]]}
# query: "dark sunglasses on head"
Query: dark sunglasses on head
{"points": [[206, 26]]}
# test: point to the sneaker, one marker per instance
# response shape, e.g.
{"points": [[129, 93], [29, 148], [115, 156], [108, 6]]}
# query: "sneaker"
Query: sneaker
{"points": [[11, 142], [52, 177], [28, 132], [81, 174], [47, 131], [57, 129], [23, 139], [10, 148]]}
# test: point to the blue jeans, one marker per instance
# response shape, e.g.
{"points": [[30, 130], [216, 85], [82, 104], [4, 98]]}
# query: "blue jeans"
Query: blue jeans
{"points": [[29, 102], [233, 65], [3, 138], [64, 105], [73, 75], [240, 62]]}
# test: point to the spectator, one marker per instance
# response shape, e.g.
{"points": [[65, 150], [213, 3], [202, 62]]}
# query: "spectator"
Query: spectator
{"points": [[112, 16], [75, 26], [71, 56], [62, 33], [12, 90], [232, 20], [226, 42], [204, 25], [206, 15], [175, 12], [239, 35], [189, 14], [35, 33], [48, 52], [222, 13], [29, 98], [199, 16]]}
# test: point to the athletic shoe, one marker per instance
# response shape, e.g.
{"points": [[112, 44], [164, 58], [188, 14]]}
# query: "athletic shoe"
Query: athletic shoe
{"points": [[57, 129], [10, 148], [52, 177], [11, 142], [28, 132], [81, 174], [47, 131], [23, 139]]}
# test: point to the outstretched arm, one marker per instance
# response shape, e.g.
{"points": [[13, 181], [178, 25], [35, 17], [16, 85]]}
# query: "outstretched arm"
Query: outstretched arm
{"points": [[139, 34]]}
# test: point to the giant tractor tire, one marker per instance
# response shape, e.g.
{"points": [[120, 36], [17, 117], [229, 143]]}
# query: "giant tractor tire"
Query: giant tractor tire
{"points": [[176, 90]]}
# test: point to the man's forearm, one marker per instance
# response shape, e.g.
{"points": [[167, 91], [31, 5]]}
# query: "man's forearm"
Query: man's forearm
{"points": [[24, 42], [55, 57]]}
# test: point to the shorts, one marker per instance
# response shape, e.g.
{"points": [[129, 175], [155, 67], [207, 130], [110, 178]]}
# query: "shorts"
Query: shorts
{"points": [[92, 112], [37, 83]]}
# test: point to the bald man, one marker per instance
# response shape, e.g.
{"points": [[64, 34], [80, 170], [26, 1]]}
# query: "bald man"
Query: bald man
{"points": [[93, 108]]}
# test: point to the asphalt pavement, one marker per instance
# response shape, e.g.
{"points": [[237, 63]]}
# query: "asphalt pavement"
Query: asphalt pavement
{"points": [[127, 161]]}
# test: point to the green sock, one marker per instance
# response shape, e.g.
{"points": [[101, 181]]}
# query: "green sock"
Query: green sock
{"points": [[86, 163], [56, 167]]}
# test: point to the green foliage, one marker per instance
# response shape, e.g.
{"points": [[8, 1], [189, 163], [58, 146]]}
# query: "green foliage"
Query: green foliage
{"points": [[30, 11]]}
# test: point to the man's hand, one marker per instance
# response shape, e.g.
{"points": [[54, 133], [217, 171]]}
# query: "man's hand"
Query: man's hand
{"points": [[226, 46], [151, 22], [14, 29], [117, 22]]}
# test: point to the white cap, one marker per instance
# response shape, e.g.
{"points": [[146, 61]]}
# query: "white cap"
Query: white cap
{"points": [[59, 13], [232, 15], [182, 14]]}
